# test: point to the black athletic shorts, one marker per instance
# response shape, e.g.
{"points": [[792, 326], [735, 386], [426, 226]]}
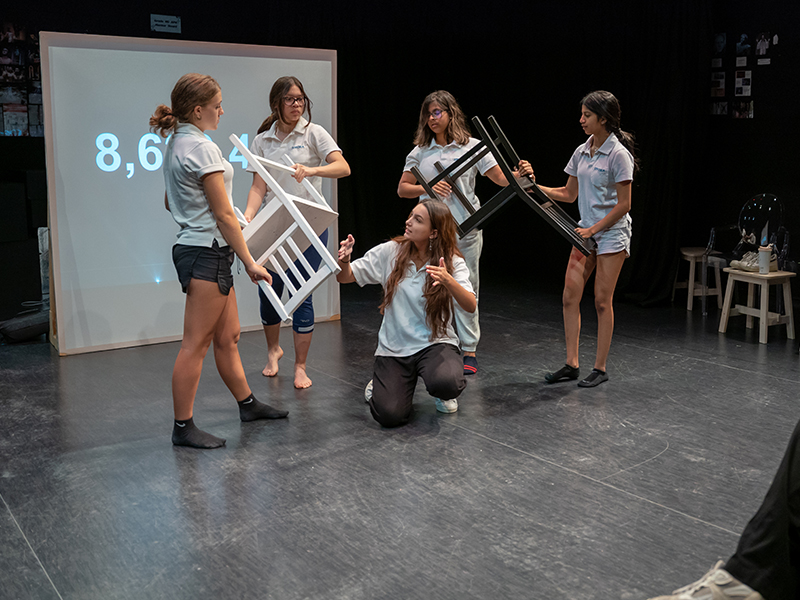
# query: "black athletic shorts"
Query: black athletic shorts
{"points": [[208, 264]]}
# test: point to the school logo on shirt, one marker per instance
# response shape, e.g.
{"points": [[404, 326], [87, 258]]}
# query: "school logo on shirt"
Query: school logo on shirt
{"points": [[300, 147]]}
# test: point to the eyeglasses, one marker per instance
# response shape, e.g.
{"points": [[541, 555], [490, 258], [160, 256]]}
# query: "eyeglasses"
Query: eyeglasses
{"points": [[292, 100], [436, 114]]}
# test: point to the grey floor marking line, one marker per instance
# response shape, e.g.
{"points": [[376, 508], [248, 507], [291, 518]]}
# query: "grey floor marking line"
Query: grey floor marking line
{"points": [[592, 479], [36, 556]]}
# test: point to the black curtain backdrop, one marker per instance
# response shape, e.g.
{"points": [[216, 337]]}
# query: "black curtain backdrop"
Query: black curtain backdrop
{"points": [[528, 64]]}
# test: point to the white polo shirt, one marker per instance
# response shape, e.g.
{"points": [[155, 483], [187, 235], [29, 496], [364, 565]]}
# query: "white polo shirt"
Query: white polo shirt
{"points": [[309, 146], [404, 331], [597, 178], [189, 156], [425, 158]]}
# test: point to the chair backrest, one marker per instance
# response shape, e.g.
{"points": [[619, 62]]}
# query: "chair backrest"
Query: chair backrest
{"points": [[760, 219], [283, 230]]}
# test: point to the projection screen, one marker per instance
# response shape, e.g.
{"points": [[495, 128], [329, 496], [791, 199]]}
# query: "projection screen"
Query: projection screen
{"points": [[113, 281]]}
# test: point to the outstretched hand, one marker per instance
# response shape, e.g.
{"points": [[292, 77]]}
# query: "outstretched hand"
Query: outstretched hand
{"points": [[346, 248], [439, 274]]}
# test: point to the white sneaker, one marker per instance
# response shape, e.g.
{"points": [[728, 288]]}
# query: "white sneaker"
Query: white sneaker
{"points": [[749, 257], [446, 406], [717, 584], [753, 266], [368, 392]]}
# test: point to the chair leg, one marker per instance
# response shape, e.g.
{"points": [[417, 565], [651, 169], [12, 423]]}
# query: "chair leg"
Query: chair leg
{"points": [[726, 306], [763, 312], [690, 285], [787, 300], [718, 278], [750, 295], [675, 284]]}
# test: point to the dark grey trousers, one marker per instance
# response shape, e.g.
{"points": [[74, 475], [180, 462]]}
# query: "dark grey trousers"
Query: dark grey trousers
{"points": [[394, 380]]}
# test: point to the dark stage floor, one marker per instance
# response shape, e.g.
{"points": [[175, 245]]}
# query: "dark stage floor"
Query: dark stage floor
{"points": [[529, 491]]}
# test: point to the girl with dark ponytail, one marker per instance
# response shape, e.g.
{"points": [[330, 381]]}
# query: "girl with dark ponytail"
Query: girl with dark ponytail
{"points": [[600, 174]]}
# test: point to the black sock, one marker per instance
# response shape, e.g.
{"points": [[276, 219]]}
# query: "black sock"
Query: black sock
{"points": [[186, 433], [599, 371], [251, 409]]}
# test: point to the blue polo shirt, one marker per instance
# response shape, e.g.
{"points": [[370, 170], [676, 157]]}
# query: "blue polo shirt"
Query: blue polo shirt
{"points": [[598, 177]]}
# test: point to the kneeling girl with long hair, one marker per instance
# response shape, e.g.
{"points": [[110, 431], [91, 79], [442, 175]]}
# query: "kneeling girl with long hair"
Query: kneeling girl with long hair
{"points": [[422, 272]]}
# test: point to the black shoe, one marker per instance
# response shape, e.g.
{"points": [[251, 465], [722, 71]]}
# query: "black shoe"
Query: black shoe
{"points": [[565, 372], [596, 377]]}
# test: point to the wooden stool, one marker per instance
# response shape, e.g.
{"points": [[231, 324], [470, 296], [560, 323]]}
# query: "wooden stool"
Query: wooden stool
{"points": [[765, 317], [695, 256]]}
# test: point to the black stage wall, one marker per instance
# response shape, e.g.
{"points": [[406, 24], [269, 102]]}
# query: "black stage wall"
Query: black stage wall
{"points": [[528, 64]]}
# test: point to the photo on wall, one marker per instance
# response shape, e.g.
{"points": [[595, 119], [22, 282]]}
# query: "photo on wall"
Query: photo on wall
{"points": [[15, 119], [743, 45], [719, 108], [762, 43], [12, 73], [743, 109], [742, 85], [718, 84], [12, 94]]}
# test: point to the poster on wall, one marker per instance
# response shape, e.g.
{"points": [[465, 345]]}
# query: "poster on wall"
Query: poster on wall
{"points": [[743, 49], [718, 84], [743, 109], [718, 49], [719, 108], [20, 82], [763, 47], [743, 82]]}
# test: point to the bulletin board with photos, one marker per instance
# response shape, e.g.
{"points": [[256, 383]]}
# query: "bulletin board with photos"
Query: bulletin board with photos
{"points": [[736, 60], [20, 82]]}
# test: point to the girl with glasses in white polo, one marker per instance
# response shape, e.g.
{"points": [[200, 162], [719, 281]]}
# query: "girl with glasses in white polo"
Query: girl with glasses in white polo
{"points": [[443, 136], [287, 131]]}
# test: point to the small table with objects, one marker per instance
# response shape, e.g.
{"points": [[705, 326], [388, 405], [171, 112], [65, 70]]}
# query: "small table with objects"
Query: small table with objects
{"points": [[764, 315]]}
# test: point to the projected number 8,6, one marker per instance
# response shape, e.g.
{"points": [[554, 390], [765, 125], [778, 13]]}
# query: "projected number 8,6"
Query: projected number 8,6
{"points": [[150, 157], [108, 159]]}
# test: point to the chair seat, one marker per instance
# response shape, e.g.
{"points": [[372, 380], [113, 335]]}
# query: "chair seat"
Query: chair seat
{"points": [[694, 255]]}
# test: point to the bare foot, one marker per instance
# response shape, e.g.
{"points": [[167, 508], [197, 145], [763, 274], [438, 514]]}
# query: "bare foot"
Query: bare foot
{"points": [[271, 369], [301, 380]]}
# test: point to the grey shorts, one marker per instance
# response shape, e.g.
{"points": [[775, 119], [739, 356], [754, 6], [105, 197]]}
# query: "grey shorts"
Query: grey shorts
{"points": [[612, 241], [201, 262]]}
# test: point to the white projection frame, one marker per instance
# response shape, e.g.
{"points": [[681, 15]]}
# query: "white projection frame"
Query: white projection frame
{"points": [[101, 299]]}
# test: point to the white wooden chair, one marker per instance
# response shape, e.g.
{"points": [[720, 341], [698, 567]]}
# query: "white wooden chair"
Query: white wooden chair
{"points": [[280, 233]]}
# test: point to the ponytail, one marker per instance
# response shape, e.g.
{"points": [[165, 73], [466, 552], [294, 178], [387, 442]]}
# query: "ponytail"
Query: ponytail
{"points": [[627, 139], [191, 90], [163, 121], [267, 123]]}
